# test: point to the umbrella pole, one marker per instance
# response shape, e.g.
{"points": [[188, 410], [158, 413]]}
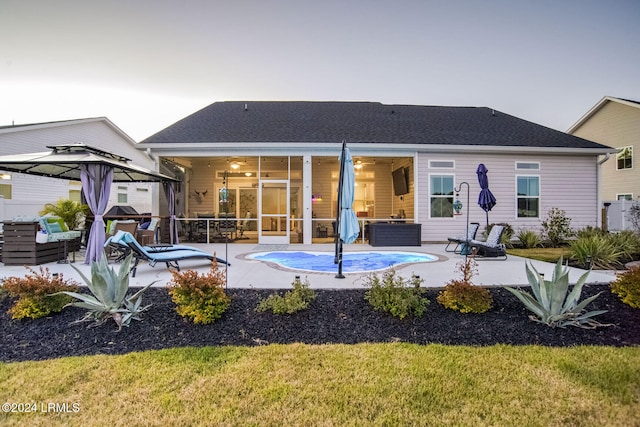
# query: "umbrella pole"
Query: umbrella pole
{"points": [[338, 257]]}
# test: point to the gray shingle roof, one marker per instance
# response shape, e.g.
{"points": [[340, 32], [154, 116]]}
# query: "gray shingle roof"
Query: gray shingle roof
{"points": [[321, 122]]}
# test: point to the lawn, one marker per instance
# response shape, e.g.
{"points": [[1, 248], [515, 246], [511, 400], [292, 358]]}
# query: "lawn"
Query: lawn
{"points": [[542, 254], [333, 385]]}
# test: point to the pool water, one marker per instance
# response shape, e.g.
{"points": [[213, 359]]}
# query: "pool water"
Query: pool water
{"points": [[352, 262]]}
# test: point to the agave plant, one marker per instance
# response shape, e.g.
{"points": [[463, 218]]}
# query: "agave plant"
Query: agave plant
{"points": [[109, 294], [553, 304]]}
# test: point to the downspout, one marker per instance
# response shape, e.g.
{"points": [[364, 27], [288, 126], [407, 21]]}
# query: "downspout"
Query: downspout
{"points": [[599, 188]]}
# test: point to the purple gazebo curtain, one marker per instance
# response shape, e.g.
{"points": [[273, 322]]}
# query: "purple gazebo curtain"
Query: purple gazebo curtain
{"points": [[96, 186], [170, 192]]}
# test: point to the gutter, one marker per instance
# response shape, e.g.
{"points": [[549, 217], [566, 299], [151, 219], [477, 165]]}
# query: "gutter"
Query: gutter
{"points": [[607, 156]]}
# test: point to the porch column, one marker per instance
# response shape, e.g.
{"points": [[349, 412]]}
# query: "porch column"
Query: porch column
{"points": [[307, 214]]}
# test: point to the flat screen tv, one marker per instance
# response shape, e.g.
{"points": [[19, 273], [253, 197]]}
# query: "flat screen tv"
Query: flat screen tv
{"points": [[400, 181]]}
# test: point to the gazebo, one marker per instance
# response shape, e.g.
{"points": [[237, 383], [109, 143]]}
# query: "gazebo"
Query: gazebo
{"points": [[96, 169]]}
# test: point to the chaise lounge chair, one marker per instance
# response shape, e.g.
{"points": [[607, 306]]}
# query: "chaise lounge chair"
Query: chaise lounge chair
{"points": [[491, 248], [170, 255], [473, 230]]}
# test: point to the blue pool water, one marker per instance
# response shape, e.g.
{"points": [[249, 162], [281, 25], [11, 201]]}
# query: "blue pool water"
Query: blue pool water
{"points": [[352, 262]]}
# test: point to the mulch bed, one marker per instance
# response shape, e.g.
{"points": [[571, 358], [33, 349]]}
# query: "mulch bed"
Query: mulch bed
{"points": [[335, 316]]}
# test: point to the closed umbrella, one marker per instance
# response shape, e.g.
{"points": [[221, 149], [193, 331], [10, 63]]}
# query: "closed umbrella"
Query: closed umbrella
{"points": [[347, 222], [486, 199]]}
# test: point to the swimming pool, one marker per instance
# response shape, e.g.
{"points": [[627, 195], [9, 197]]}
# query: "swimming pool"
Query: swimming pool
{"points": [[352, 262]]}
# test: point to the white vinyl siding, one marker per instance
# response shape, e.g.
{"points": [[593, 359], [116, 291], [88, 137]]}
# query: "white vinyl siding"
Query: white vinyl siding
{"points": [[567, 182], [30, 193]]}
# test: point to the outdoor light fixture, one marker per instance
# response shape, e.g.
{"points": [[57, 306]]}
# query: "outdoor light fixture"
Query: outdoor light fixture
{"points": [[234, 165], [457, 205], [247, 174]]}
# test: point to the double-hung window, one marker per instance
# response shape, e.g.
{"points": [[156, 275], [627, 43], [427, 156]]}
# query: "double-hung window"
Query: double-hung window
{"points": [[441, 196], [528, 195], [624, 159]]}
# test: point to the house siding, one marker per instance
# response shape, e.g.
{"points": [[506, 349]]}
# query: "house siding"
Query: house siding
{"points": [[30, 193], [617, 125], [566, 182]]}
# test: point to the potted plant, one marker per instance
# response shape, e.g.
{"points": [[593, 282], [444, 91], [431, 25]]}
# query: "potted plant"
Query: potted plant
{"points": [[72, 213]]}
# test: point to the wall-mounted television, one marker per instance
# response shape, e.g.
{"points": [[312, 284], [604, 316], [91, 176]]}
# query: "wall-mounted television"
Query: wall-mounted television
{"points": [[401, 181]]}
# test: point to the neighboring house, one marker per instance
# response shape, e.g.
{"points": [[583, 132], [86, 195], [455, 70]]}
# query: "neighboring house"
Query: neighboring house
{"points": [[280, 160], [26, 195], [615, 122]]}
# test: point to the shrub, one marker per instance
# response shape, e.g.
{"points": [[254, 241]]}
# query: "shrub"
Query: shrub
{"points": [[633, 215], [200, 297], [529, 239], [557, 227], [108, 299], [590, 231], [395, 295], [627, 242], [550, 302], [595, 252], [292, 301], [71, 212], [461, 295], [37, 293], [627, 287]]}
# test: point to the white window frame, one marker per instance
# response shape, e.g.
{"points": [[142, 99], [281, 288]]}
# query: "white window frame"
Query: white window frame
{"points": [[521, 162], [630, 196], [432, 161], [453, 177], [539, 197]]}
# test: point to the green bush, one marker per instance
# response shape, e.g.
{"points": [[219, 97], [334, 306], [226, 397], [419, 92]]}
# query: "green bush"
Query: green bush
{"points": [[590, 231], [595, 252], [72, 213], [627, 242], [395, 295], [627, 287], [557, 227], [292, 301], [37, 293], [529, 239], [461, 295], [200, 297]]}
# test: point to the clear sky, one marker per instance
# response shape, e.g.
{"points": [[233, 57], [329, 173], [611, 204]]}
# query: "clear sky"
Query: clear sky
{"points": [[146, 64]]}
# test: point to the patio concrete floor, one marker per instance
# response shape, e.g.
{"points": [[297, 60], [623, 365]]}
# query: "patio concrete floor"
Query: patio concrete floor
{"points": [[247, 273]]}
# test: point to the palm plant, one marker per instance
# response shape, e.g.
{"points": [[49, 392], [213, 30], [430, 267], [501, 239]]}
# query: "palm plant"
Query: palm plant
{"points": [[553, 304], [71, 212]]}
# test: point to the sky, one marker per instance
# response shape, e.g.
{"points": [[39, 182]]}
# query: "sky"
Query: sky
{"points": [[146, 64]]}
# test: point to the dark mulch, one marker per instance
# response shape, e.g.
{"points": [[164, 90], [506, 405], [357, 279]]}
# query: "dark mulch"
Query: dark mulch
{"points": [[334, 317]]}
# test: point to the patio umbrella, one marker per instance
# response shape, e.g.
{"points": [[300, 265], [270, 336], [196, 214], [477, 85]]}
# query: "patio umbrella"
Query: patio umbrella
{"points": [[346, 221], [486, 200], [95, 168]]}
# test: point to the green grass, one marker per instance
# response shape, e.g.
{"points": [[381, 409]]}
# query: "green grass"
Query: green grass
{"points": [[334, 385], [542, 254]]}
